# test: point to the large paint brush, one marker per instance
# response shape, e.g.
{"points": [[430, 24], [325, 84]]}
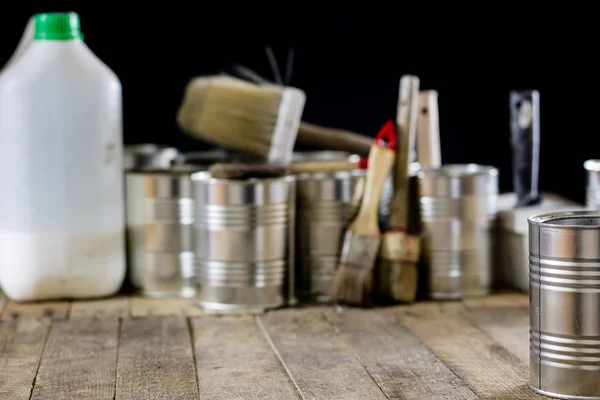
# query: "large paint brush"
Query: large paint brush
{"points": [[400, 250], [353, 280]]}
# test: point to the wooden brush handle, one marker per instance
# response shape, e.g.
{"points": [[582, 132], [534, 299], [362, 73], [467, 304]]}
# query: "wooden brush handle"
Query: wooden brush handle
{"points": [[326, 167], [407, 120], [333, 139], [247, 171], [381, 161], [428, 131]]}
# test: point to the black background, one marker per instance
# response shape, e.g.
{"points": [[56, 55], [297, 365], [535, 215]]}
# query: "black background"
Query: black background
{"points": [[349, 57]]}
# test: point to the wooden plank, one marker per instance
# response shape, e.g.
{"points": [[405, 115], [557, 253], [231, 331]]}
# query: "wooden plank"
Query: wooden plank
{"points": [[489, 369], [401, 365], [508, 326], [79, 360], [156, 360], [51, 310], [111, 307], [21, 345], [510, 299], [234, 361], [320, 363], [143, 307]]}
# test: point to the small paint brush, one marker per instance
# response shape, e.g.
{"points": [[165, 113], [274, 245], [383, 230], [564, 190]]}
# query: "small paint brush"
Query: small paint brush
{"points": [[353, 280], [400, 250]]}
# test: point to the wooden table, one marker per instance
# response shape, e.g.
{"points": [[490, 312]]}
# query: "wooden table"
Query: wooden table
{"points": [[134, 348]]}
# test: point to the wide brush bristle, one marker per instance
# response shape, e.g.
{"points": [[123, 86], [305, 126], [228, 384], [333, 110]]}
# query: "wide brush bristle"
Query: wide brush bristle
{"points": [[352, 285], [397, 280], [231, 112]]}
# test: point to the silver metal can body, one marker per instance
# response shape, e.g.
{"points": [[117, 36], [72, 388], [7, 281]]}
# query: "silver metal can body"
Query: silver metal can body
{"points": [[458, 206], [592, 195], [325, 204], [160, 215], [242, 232], [564, 292]]}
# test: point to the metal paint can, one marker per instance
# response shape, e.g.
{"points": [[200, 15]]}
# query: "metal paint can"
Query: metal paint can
{"points": [[592, 195], [160, 214], [458, 206], [325, 205], [564, 292], [243, 231]]}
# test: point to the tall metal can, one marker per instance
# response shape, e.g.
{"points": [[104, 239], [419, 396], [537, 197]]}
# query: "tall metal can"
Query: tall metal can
{"points": [[564, 292], [160, 214], [458, 205], [243, 235]]}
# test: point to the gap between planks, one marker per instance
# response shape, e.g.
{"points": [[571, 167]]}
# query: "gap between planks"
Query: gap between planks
{"points": [[344, 341], [488, 368]]}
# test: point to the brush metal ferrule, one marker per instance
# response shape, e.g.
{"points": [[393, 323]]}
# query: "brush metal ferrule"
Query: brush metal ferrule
{"points": [[286, 126], [359, 251], [400, 246]]}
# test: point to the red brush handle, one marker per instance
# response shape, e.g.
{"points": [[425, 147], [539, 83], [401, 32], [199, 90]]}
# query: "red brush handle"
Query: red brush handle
{"points": [[387, 133]]}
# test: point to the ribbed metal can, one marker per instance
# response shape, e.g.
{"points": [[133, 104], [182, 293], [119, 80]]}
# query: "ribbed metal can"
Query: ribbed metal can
{"points": [[160, 216], [325, 205], [458, 206], [564, 293], [243, 230], [592, 195]]}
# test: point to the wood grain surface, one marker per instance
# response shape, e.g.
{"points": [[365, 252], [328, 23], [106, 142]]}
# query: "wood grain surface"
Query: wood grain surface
{"points": [[235, 361], [79, 360], [135, 348], [156, 360]]}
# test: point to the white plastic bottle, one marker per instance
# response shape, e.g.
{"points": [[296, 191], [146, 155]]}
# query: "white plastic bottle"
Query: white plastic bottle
{"points": [[61, 182]]}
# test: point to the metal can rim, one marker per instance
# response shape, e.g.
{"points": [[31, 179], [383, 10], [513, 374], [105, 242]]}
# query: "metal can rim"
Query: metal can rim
{"points": [[206, 177], [458, 171], [545, 219], [321, 176], [175, 170]]}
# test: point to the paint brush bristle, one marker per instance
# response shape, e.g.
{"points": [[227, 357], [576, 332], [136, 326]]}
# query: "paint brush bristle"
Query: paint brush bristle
{"points": [[353, 280], [261, 120]]}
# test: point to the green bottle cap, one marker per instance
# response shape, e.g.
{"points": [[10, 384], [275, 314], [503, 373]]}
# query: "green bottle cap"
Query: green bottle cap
{"points": [[57, 26]]}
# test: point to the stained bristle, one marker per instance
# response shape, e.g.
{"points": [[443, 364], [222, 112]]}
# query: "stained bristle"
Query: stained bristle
{"points": [[397, 280], [238, 113], [352, 285]]}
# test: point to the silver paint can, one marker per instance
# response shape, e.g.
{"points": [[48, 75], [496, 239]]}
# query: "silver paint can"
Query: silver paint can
{"points": [[160, 216], [564, 292], [325, 203], [458, 206], [243, 231]]}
